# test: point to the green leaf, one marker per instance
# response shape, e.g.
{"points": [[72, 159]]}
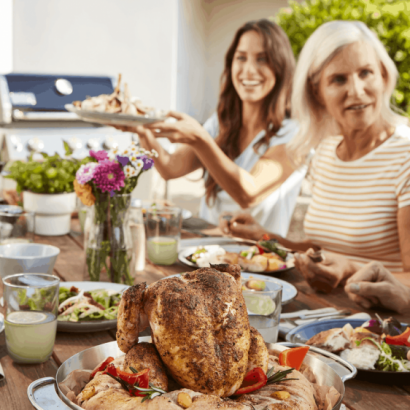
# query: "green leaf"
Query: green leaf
{"points": [[68, 150]]}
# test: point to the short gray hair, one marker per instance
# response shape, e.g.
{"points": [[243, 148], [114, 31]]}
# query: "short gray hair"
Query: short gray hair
{"points": [[321, 47]]}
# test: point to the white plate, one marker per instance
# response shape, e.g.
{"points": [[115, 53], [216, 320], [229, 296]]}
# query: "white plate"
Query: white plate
{"points": [[234, 248], [90, 325], [289, 292], [112, 118]]}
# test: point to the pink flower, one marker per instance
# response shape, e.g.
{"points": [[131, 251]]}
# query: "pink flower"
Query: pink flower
{"points": [[99, 155], [86, 172], [108, 176]]}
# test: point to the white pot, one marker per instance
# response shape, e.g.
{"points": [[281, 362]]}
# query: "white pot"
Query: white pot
{"points": [[52, 212]]}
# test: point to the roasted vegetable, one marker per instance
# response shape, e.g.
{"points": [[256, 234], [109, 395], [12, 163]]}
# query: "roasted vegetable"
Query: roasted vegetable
{"points": [[184, 400], [293, 357], [402, 339], [271, 246], [254, 380], [400, 352]]}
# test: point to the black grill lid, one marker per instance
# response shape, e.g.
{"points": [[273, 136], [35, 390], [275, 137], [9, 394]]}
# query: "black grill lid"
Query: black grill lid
{"points": [[37, 92]]}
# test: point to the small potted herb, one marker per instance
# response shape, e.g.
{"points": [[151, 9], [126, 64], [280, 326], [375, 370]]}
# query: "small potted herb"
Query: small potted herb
{"points": [[47, 187]]}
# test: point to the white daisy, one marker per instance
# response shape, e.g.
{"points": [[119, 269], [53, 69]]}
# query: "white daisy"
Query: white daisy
{"points": [[154, 153], [130, 171], [138, 164], [112, 154]]}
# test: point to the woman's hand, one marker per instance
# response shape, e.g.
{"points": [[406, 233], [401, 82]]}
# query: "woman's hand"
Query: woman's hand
{"points": [[185, 130], [374, 285], [326, 275], [242, 225]]}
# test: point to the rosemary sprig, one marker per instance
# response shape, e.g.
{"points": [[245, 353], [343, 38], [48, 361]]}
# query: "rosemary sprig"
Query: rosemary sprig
{"points": [[150, 393], [279, 376]]}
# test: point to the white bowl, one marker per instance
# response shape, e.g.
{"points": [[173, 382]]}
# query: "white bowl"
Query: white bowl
{"points": [[27, 258]]}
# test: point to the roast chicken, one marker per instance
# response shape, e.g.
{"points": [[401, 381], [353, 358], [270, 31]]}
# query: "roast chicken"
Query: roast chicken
{"points": [[199, 326]]}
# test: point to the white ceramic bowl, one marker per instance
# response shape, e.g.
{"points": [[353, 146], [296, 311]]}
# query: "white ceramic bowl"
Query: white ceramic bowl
{"points": [[27, 258]]}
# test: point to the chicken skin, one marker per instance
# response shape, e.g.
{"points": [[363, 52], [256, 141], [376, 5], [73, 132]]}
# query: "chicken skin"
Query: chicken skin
{"points": [[199, 325]]}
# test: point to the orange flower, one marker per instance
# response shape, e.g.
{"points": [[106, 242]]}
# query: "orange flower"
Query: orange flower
{"points": [[84, 192]]}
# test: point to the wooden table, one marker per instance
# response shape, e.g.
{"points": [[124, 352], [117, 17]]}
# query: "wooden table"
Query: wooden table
{"points": [[359, 395]]}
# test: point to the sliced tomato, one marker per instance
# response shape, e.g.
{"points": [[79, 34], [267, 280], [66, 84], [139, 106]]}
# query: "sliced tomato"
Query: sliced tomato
{"points": [[254, 380], [293, 357]]}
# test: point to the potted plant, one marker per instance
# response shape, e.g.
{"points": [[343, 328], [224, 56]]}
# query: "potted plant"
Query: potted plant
{"points": [[47, 186]]}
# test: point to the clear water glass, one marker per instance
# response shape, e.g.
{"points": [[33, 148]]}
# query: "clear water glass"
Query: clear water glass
{"points": [[264, 308], [16, 225], [163, 225], [30, 311]]}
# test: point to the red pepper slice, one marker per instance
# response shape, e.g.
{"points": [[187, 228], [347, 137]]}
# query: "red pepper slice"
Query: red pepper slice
{"points": [[399, 340], [260, 249], [101, 367], [254, 380], [293, 357], [142, 378], [265, 237]]}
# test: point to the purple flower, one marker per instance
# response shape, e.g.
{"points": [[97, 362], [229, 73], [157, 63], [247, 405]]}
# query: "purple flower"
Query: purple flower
{"points": [[123, 160], [99, 155], [108, 176], [86, 172], [148, 162]]}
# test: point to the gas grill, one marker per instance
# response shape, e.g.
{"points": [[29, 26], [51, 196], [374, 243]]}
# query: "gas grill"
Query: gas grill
{"points": [[33, 119]]}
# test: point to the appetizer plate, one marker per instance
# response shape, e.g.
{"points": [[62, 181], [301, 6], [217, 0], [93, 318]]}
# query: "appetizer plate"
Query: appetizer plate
{"points": [[289, 292], [231, 248], [113, 118], [302, 334], [90, 325]]}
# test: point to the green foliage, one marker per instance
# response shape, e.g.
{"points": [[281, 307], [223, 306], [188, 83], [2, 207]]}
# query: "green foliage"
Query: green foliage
{"points": [[389, 19], [51, 176]]}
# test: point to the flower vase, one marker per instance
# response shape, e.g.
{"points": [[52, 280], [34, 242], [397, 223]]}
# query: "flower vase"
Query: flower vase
{"points": [[108, 241]]}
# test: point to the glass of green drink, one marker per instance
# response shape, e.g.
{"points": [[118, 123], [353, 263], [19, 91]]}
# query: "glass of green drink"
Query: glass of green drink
{"points": [[264, 305], [30, 311], [163, 234]]}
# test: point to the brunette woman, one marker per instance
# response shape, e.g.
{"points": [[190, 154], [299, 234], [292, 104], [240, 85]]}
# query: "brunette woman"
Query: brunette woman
{"points": [[242, 146]]}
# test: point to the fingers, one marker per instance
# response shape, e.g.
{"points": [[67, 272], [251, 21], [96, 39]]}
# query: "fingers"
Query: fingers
{"points": [[243, 218], [377, 290], [371, 272], [177, 115], [359, 300]]}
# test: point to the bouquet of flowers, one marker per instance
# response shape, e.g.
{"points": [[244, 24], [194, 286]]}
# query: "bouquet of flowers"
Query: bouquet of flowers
{"points": [[106, 183]]}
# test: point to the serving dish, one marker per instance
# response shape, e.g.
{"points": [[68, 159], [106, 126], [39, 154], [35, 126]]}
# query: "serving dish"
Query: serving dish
{"points": [[114, 118], [289, 292], [231, 248], [90, 325], [303, 333], [45, 393]]}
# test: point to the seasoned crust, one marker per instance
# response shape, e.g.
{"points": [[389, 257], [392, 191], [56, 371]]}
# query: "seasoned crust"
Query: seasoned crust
{"points": [[200, 328], [258, 355], [145, 356], [129, 312], [233, 270]]}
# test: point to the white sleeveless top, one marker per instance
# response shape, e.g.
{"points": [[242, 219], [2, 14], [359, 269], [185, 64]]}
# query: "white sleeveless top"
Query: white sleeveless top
{"points": [[274, 212]]}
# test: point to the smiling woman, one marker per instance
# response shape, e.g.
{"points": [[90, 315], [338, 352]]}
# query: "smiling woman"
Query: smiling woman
{"points": [[242, 146]]}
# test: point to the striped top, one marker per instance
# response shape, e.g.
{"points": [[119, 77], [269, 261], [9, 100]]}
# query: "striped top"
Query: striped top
{"points": [[354, 205]]}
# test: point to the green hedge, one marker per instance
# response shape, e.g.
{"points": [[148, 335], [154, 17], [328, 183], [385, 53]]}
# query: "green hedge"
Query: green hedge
{"points": [[389, 19]]}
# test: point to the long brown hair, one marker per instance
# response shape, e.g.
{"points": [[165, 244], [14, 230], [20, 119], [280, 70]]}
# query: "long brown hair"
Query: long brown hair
{"points": [[276, 105]]}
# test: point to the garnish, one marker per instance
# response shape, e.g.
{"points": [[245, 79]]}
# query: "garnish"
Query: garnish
{"points": [[253, 380], [386, 361], [101, 367], [279, 376], [293, 357], [135, 383]]}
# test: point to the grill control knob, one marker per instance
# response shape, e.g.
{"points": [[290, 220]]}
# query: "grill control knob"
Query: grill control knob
{"points": [[74, 143], [93, 143], [110, 143], [35, 144]]}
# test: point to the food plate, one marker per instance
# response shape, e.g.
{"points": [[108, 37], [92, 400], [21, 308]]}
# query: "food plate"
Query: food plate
{"points": [[90, 325], [232, 248], [113, 118], [302, 334], [289, 292]]}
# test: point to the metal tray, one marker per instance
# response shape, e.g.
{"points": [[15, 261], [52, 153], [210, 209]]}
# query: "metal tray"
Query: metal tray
{"points": [[45, 394]]}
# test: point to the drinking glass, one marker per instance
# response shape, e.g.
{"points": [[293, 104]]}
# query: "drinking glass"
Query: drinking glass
{"points": [[163, 234], [264, 308], [138, 235], [16, 225], [30, 311]]}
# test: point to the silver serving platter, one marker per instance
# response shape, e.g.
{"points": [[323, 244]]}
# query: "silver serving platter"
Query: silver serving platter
{"points": [[108, 118], [45, 393]]}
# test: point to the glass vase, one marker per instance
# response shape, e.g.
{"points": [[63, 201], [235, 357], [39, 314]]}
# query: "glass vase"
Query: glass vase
{"points": [[108, 241]]}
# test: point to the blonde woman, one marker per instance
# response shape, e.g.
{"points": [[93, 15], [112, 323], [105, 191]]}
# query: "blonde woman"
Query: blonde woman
{"points": [[360, 209]]}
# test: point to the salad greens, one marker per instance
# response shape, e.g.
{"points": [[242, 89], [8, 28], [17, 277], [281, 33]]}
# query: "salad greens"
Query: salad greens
{"points": [[387, 361], [42, 299], [271, 245]]}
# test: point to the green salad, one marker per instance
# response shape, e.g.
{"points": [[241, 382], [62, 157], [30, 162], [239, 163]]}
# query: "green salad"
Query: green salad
{"points": [[76, 305]]}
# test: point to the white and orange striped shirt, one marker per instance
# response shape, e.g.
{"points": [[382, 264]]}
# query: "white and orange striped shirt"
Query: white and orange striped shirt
{"points": [[354, 205]]}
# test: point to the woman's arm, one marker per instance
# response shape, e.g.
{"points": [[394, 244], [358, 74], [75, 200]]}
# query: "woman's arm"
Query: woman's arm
{"points": [[246, 188], [403, 223]]}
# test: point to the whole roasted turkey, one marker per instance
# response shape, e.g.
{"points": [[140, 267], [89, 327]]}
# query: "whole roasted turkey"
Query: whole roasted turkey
{"points": [[199, 326]]}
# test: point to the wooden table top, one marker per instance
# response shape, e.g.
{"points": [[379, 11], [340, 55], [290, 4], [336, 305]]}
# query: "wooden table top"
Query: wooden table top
{"points": [[359, 395]]}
